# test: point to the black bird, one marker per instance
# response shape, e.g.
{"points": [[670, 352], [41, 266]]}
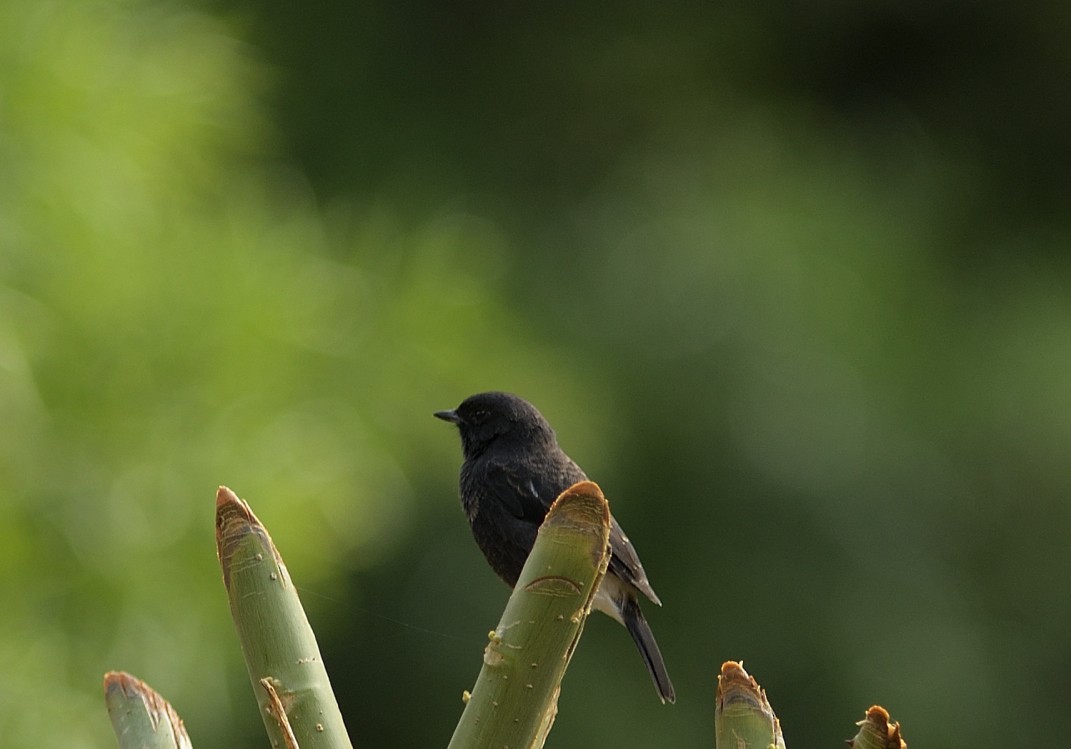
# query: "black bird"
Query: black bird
{"points": [[512, 473]]}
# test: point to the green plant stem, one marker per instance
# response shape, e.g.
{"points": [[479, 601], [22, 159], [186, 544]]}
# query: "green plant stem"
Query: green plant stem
{"points": [[288, 675], [515, 698], [142, 719], [743, 718], [876, 731]]}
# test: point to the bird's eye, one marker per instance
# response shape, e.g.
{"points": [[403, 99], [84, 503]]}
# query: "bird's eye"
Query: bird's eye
{"points": [[480, 415]]}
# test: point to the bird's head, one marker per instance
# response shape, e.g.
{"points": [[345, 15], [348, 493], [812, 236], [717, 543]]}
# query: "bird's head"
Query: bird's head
{"points": [[485, 419]]}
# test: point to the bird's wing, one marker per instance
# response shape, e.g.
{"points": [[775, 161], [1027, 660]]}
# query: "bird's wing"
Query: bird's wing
{"points": [[522, 493], [528, 495], [527, 491], [625, 562]]}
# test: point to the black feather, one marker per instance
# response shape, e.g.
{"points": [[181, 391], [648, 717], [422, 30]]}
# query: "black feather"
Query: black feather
{"points": [[512, 473]]}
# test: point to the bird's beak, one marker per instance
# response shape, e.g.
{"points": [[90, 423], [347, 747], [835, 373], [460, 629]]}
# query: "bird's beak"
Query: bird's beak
{"points": [[450, 416]]}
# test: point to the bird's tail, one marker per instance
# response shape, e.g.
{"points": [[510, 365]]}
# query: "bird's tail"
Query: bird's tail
{"points": [[645, 642]]}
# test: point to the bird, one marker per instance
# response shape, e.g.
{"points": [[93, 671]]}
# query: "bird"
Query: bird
{"points": [[511, 473]]}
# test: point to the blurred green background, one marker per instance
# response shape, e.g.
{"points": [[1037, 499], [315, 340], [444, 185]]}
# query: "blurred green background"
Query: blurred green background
{"points": [[791, 281]]}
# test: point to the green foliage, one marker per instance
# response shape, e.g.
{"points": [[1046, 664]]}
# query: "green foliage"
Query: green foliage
{"points": [[792, 286], [175, 310]]}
